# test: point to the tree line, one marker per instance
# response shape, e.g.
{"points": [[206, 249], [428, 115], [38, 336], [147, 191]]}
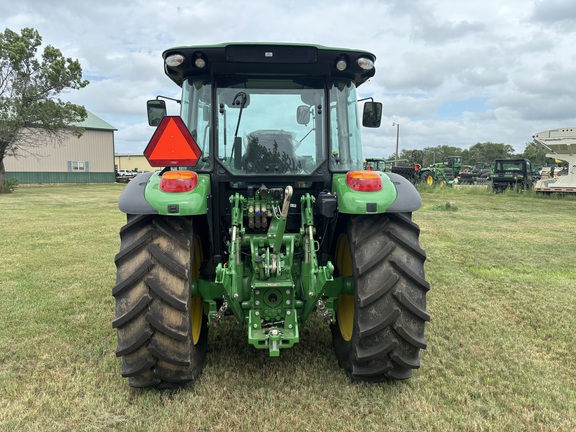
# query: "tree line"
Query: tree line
{"points": [[485, 152]]}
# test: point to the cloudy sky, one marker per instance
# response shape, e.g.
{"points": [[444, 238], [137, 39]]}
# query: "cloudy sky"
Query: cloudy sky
{"points": [[450, 72]]}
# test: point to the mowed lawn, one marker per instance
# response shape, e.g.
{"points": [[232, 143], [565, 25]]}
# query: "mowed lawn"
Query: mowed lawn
{"points": [[501, 342]]}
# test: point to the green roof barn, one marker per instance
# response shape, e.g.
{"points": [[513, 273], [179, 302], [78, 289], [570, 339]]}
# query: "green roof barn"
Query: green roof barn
{"points": [[88, 159]]}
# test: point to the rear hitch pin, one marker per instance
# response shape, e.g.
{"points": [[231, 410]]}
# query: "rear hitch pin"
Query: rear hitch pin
{"points": [[220, 314], [324, 311]]}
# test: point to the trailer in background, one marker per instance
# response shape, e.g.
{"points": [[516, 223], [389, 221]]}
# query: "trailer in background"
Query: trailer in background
{"points": [[559, 144]]}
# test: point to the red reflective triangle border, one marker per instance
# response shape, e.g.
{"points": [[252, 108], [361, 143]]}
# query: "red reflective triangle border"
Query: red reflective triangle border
{"points": [[172, 145]]}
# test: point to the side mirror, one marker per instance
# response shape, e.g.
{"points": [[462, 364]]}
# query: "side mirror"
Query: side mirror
{"points": [[303, 114], [372, 115], [156, 111]]}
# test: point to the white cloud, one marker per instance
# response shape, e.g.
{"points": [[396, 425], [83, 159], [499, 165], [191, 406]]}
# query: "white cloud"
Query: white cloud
{"points": [[554, 12]]}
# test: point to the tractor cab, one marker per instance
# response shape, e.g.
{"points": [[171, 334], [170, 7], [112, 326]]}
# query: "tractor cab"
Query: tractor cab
{"points": [[375, 164], [454, 162], [272, 110]]}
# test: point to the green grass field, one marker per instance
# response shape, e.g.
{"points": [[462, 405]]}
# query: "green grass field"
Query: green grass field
{"points": [[501, 342]]}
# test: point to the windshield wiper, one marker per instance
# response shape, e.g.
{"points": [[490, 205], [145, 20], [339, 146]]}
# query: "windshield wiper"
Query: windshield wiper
{"points": [[239, 99]]}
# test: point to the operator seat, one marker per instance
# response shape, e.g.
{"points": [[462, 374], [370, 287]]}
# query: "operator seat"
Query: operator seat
{"points": [[270, 151]]}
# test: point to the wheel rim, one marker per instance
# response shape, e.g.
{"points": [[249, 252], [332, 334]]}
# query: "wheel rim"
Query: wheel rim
{"points": [[430, 180], [196, 312], [197, 304], [345, 312]]}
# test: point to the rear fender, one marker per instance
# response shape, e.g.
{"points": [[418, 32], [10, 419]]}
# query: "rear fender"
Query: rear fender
{"points": [[194, 202], [397, 195], [143, 195], [355, 202], [132, 200], [408, 199]]}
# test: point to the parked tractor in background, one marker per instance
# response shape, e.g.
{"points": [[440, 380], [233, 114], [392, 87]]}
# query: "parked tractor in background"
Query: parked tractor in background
{"points": [[409, 172], [409, 168], [262, 213], [442, 173], [375, 164], [403, 167], [515, 174], [479, 174]]}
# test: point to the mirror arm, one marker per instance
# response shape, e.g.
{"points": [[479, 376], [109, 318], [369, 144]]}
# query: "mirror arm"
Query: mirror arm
{"points": [[168, 98]]}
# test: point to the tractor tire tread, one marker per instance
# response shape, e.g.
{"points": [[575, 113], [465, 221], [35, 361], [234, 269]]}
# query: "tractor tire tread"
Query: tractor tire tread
{"points": [[370, 296], [390, 299], [167, 261], [157, 291], [412, 307], [133, 279], [153, 298], [368, 325], [138, 308]]}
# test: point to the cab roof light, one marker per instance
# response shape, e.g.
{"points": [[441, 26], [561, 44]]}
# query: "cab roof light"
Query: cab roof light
{"points": [[365, 63], [341, 64], [199, 60], [364, 181], [174, 60], [200, 63], [178, 181]]}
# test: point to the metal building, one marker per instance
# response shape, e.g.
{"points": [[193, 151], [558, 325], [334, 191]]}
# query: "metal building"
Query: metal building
{"points": [[133, 162], [88, 159]]}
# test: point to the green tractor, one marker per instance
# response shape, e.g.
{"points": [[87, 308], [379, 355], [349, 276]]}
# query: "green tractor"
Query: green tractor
{"points": [[478, 174], [261, 213], [407, 169], [442, 173], [375, 164], [410, 169]]}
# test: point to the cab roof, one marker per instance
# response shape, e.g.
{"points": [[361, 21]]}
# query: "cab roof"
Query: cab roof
{"points": [[274, 59]]}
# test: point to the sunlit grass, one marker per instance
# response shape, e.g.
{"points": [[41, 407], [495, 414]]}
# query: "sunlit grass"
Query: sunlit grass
{"points": [[500, 343]]}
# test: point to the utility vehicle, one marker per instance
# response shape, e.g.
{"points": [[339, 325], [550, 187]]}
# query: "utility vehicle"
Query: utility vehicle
{"points": [[261, 213], [512, 173]]}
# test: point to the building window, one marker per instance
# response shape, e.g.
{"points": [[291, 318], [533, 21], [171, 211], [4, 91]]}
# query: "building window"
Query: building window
{"points": [[78, 166]]}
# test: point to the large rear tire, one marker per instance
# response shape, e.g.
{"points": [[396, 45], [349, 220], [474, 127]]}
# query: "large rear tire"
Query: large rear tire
{"points": [[162, 331], [379, 331], [427, 178]]}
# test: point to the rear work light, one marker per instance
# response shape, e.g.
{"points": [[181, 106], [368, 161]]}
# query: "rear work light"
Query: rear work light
{"points": [[178, 181], [174, 60], [364, 181], [365, 63]]}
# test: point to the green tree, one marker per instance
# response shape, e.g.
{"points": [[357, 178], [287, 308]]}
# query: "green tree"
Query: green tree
{"points": [[439, 154], [411, 155], [488, 152], [31, 114], [535, 153]]}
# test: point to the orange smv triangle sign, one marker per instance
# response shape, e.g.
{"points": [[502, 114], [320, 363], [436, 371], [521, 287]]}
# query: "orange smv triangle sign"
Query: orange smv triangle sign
{"points": [[172, 145]]}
